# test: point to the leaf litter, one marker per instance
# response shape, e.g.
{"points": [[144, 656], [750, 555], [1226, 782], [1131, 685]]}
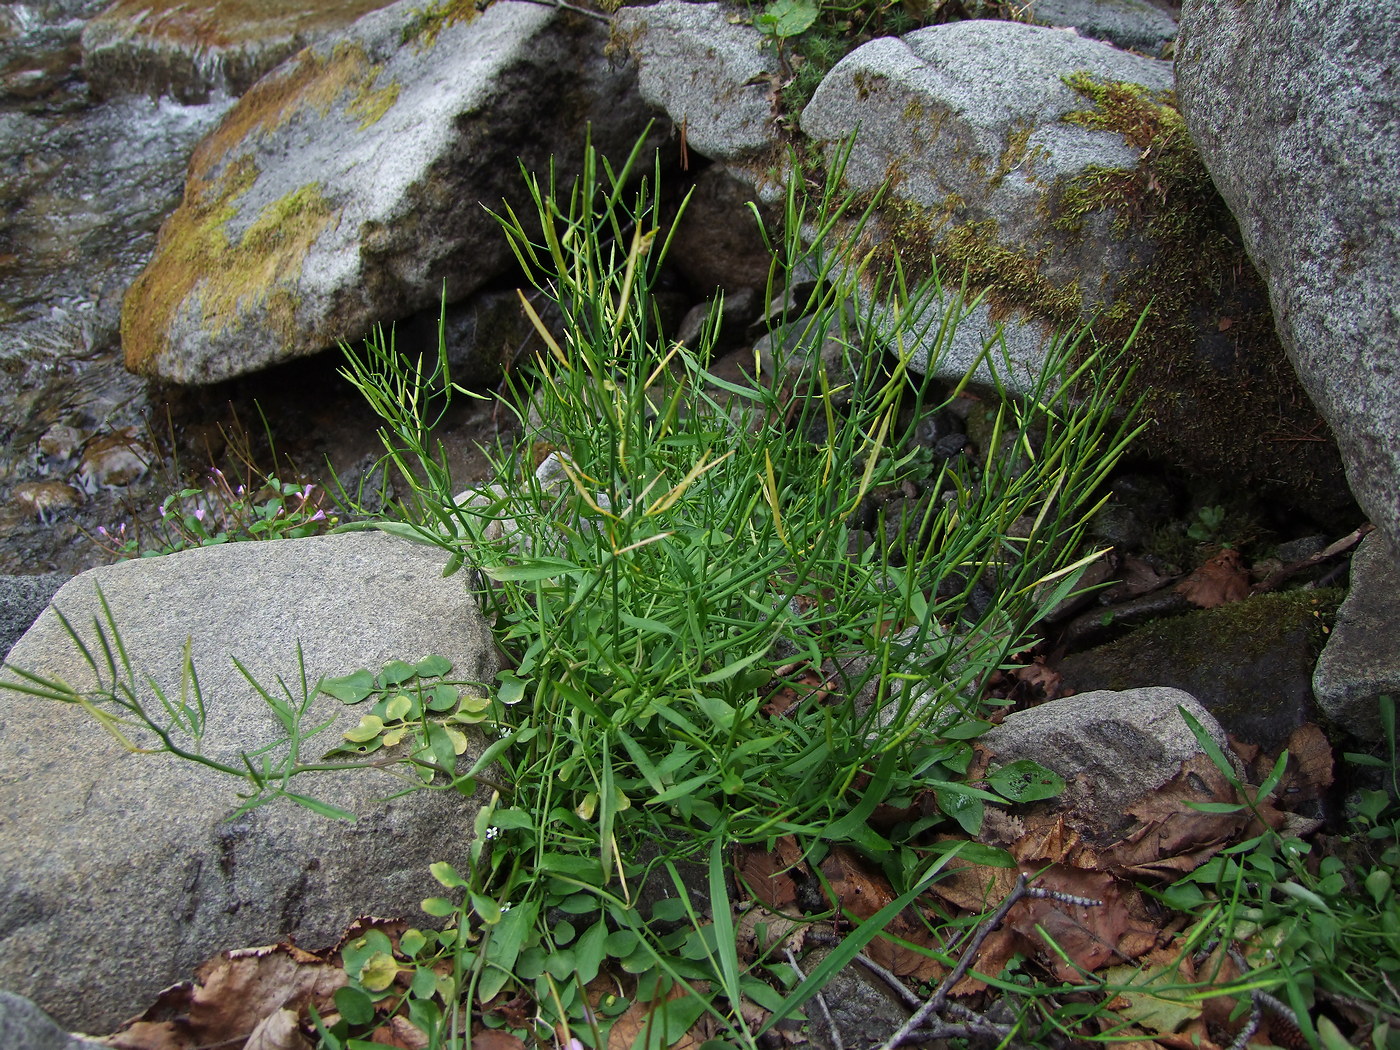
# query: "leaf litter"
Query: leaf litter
{"points": [[258, 999]]}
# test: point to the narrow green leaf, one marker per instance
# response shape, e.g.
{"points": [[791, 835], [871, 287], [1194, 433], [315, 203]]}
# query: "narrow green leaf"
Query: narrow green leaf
{"points": [[321, 809]]}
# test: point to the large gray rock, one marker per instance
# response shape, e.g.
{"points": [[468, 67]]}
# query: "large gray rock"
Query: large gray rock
{"points": [[966, 121], [1133, 24], [708, 73], [23, 1026], [191, 51], [1111, 748], [1362, 660], [1296, 109], [125, 859], [345, 189], [1053, 174]]}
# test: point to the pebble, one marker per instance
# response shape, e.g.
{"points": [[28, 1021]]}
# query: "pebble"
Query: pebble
{"points": [[115, 459], [61, 441], [45, 499]]}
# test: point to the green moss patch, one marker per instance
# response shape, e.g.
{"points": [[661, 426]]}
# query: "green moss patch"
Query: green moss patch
{"points": [[427, 23], [1227, 404], [196, 258]]}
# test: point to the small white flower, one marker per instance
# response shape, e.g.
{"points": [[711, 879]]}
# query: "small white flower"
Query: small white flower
{"points": [[493, 833]]}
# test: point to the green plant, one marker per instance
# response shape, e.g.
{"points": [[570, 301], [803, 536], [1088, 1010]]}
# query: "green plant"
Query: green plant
{"points": [[684, 552], [1317, 930], [222, 512], [1208, 525], [661, 584]]}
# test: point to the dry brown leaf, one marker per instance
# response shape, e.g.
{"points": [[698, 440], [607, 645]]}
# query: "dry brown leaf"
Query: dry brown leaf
{"points": [[857, 891], [279, 1030], [861, 893], [232, 996], [769, 876], [153, 1035], [492, 1039], [974, 887], [1221, 580], [1172, 837], [1091, 937], [625, 1030]]}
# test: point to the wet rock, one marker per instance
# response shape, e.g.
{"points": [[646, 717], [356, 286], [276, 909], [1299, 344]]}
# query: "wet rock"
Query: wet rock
{"points": [[1112, 748], [711, 75], [116, 459], [343, 190], [189, 51], [60, 441], [46, 499], [1055, 173], [110, 853], [23, 1026], [1361, 660], [1250, 664], [1294, 110], [1133, 24]]}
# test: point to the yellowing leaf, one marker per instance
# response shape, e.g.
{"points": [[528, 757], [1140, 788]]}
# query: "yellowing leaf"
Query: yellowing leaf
{"points": [[370, 727], [398, 706], [1154, 998], [379, 972], [458, 738]]}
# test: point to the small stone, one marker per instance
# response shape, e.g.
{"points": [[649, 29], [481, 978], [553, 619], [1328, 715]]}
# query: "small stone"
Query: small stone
{"points": [[115, 459], [44, 499], [60, 441]]}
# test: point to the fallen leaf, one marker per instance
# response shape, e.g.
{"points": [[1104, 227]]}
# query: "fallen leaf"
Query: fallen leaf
{"points": [[1221, 580], [493, 1039], [769, 875], [861, 893], [279, 1030], [1089, 937], [684, 1024], [1157, 999]]}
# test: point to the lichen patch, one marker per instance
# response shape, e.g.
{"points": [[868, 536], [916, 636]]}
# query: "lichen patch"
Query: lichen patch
{"points": [[314, 84], [197, 266]]}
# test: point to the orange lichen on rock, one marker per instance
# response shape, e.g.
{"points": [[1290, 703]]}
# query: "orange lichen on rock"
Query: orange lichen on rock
{"points": [[314, 83]]}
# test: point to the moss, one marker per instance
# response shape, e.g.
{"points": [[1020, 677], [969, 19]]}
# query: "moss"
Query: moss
{"points": [[427, 23], [1226, 403], [314, 84], [371, 103], [197, 260]]}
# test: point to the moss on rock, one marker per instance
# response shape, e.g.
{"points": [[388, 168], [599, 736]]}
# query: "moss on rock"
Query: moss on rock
{"points": [[198, 263]]}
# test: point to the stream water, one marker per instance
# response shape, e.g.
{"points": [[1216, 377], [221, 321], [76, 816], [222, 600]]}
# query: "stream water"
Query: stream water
{"points": [[85, 445]]}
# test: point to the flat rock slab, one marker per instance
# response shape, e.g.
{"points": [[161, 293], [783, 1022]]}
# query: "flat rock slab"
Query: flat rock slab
{"points": [[118, 872]]}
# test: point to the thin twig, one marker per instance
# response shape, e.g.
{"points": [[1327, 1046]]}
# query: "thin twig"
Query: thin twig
{"points": [[836, 1041], [896, 985], [940, 996]]}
